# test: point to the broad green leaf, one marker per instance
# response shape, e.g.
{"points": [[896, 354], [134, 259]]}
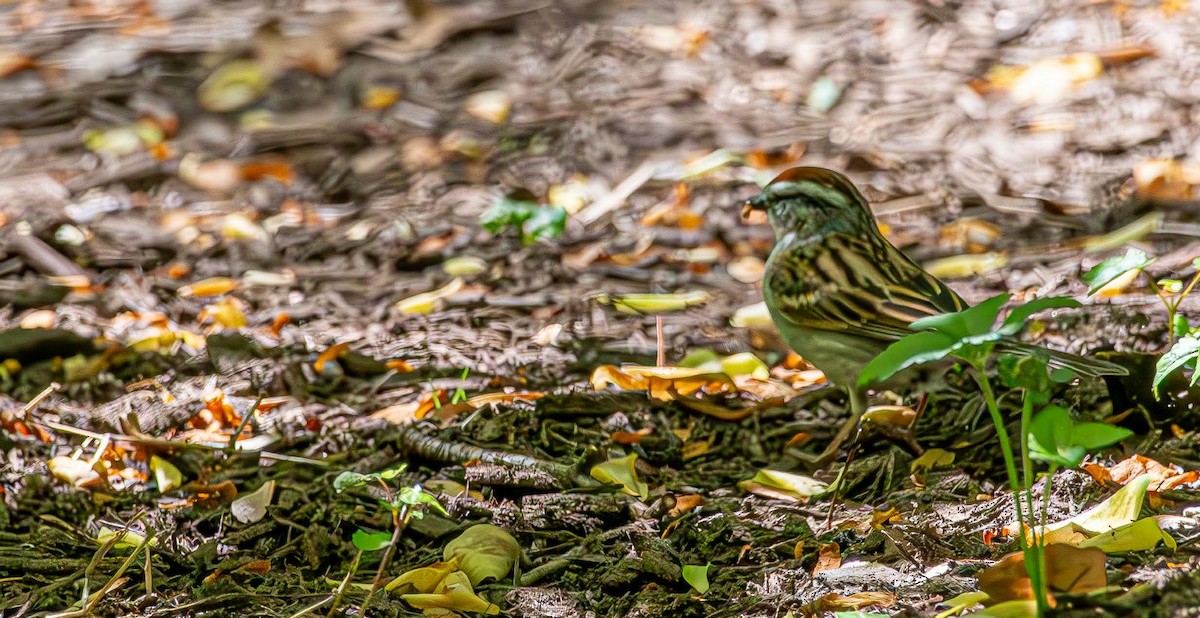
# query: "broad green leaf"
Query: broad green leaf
{"points": [[483, 551], [370, 541], [961, 602], [696, 576], [1027, 372], [1103, 273], [971, 321], [1185, 350], [911, 350], [1020, 315], [1050, 438], [1094, 436], [783, 485]]}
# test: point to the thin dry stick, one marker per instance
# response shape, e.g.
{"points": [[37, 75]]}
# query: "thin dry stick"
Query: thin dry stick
{"points": [[661, 359]]}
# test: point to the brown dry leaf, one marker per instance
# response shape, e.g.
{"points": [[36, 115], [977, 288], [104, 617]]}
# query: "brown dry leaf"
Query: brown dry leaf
{"points": [[685, 503], [1162, 477], [630, 437], [1069, 569], [829, 556], [1166, 179], [269, 168], [662, 383]]}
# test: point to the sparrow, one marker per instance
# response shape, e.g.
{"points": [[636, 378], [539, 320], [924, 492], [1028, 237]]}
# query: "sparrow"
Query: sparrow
{"points": [[840, 293]]}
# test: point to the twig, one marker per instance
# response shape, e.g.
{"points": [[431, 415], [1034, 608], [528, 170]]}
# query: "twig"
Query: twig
{"points": [[618, 195]]}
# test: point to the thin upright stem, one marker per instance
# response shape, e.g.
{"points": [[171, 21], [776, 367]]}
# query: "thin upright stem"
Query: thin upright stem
{"points": [[1010, 463]]}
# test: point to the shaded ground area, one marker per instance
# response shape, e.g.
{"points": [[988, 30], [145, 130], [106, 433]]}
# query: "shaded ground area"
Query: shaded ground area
{"points": [[216, 217]]}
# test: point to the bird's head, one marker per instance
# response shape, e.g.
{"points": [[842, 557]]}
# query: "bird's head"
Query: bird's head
{"points": [[813, 201]]}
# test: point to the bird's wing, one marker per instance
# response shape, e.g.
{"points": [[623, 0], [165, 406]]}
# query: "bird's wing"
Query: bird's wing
{"points": [[861, 286]]}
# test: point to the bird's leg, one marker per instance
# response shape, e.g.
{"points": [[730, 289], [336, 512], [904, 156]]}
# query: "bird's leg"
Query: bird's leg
{"points": [[858, 405]]}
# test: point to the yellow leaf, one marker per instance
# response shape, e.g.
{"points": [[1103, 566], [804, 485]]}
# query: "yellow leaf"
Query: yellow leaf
{"points": [[642, 304], [932, 458], [483, 551], [621, 472], [454, 592], [428, 302], [165, 473], [783, 485]]}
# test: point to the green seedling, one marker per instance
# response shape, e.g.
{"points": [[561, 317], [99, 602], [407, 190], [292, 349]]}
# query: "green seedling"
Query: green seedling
{"points": [[972, 336], [521, 212]]}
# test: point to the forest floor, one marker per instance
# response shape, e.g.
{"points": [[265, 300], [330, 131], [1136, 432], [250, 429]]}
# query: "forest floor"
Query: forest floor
{"points": [[219, 221]]}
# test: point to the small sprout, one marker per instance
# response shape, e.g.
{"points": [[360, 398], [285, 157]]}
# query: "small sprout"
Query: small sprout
{"points": [[370, 541], [520, 211]]}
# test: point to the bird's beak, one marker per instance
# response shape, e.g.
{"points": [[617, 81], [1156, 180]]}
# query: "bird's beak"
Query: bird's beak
{"points": [[754, 211]]}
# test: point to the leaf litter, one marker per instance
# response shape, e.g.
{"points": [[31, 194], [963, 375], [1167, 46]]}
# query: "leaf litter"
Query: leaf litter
{"points": [[232, 234]]}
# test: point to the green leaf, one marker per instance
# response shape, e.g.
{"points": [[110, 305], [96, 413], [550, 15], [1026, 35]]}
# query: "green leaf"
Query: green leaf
{"points": [[1170, 286], [1050, 438], [1179, 325], [1095, 436], [972, 321], [1105, 272], [417, 496], [349, 479], [696, 576], [1020, 315], [370, 541], [505, 213], [545, 222], [912, 350], [1062, 375], [1185, 350], [1055, 438], [1027, 372]]}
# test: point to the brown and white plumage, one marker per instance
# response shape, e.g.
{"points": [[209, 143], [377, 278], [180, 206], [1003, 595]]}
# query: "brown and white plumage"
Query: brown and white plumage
{"points": [[840, 293]]}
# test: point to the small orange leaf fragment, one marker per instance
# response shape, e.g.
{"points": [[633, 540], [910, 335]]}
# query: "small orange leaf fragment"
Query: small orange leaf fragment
{"points": [[333, 352], [213, 286]]}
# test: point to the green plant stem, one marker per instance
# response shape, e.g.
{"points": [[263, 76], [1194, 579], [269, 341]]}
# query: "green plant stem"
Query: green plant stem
{"points": [[1035, 555], [1010, 464]]}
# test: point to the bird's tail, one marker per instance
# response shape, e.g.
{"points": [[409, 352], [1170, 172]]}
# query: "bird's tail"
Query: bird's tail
{"points": [[1086, 367]]}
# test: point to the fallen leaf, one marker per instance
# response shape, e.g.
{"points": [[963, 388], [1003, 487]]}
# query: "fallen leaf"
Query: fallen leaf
{"points": [[783, 485], [829, 556]]}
